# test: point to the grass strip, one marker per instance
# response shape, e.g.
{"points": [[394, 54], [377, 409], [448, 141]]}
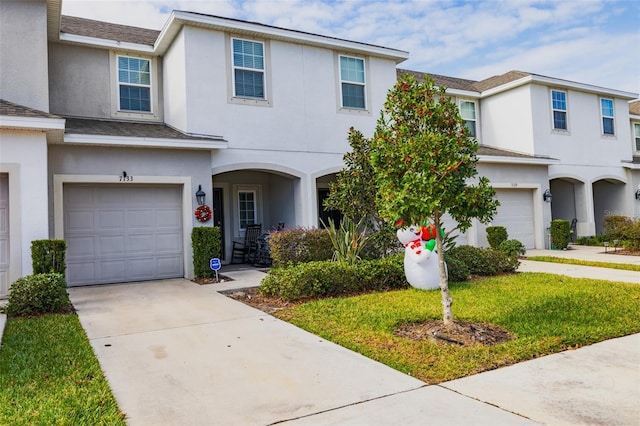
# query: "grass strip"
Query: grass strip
{"points": [[50, 375], [547, 313], [610, 265]]}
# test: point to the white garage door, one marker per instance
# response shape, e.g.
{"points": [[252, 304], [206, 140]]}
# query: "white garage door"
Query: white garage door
{"points": [[122, 233], [516, 214], [4, 234]]}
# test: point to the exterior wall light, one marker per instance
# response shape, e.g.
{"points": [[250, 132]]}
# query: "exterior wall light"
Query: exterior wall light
{"points": [[200, 195], [638, 194], [547, 196]]}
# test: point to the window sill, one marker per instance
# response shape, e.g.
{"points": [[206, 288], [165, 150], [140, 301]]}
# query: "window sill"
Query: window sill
{"points": [[138, 115], [356, 111], [609, 137], [250, 101], [560, 132]]}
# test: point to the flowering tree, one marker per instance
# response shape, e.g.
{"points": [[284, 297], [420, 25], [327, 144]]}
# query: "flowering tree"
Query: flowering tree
{"points": [[425, 163]]}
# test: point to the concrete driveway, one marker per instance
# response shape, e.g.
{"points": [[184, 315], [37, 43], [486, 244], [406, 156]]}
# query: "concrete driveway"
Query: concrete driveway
{"points": [[176, 353]]}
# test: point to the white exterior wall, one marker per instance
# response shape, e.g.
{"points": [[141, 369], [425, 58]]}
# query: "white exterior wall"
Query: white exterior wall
{"points": [[174, 84], [23, 53], [507, 121], [23, 155]]}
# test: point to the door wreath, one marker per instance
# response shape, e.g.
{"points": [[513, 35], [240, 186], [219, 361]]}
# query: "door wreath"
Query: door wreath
{"points": [[203, 213]]}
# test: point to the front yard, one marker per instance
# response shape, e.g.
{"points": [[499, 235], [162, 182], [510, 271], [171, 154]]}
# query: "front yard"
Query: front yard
{"points": [[546, 313]]}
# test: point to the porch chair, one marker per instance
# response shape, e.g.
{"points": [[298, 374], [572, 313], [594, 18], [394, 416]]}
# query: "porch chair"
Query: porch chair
{"points": [[246, 249]]}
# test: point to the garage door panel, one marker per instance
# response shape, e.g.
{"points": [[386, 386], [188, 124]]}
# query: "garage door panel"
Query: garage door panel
{"points": [[79, 247], [167, 218], [169, 243], [132, 231], [79, 220]]}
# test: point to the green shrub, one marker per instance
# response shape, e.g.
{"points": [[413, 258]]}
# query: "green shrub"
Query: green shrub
{"points": [[512, 248], [48, 256], [593, 240], [348, 240], [483, 261], [299, 245], [496, 235], [615, 227], [38, 294], [327, 278], [457, 270], [206, 244], [632, 235], [560, 233]]}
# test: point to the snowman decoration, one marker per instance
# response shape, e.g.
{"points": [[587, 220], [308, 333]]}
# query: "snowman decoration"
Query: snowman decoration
{"points": [[420, 262]]}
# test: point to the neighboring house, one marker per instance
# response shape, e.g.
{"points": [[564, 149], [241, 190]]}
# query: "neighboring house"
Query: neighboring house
{"points": [[571, 138], [107, 132]]}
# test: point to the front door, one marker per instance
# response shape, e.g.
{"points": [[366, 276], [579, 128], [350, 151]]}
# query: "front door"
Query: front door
{"points": [[218, 215]]}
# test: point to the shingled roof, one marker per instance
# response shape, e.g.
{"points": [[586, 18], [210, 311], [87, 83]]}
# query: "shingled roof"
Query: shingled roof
{"points": [[634, 107], [87, 126], [496, 152], [14, 110], [468, 85], [107, 30]]}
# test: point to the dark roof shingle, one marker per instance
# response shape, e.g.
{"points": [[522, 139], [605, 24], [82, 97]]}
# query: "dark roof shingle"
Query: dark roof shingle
{"points": [[14, 110], [87, 126], [107, 30]]}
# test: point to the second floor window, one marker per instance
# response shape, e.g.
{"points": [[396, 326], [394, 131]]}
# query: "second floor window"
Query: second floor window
{"points": [[248, 68], [636, 131], [134, 84], [352, 82], [606, 107], [468, 114], [559, 108]]}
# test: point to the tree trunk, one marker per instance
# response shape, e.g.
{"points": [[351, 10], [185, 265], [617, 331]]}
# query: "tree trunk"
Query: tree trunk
{"points": [[447, 301]]}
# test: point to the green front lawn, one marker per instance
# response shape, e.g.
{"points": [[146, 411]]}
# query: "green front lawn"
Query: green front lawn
{"points": [[610, 265], [547, 313], [50, 375]]}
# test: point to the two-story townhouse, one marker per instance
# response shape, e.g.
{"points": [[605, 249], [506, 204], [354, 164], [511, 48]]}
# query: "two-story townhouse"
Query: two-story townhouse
{"points": [[26, 126], [520, 178], [540, 135], [585, 127], [255, 116]]}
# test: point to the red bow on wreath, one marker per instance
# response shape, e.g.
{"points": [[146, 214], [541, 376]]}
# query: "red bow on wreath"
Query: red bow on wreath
{"points": [[203, 213]]}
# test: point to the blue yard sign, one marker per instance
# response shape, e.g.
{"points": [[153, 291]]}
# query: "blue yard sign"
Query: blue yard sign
{"points": [[215, 264]]}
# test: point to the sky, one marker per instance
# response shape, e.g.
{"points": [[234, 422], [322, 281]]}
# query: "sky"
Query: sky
{"points": [[587, 41]]}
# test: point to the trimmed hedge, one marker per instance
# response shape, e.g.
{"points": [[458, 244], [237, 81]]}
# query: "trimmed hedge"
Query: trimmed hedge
{"points": [[560, 231], [206, 244], [615, 227], [38, 294], [48, 256], [327, 278], [483, 261], [512, 248], [299, 245], [496, 235]]}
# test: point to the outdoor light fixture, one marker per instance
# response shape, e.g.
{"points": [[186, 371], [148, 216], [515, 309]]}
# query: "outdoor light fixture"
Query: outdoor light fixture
{"points": [[547, 196], [200, 195], [638, 194]]}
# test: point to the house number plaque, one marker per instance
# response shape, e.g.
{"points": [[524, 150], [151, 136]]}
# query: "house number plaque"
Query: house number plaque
{"points": [[125, 178]]}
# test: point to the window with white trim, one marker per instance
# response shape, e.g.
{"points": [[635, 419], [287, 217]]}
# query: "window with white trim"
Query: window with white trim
{"points": [[352, 82], [559, 109], [134, 84], [636, 132], [468, 114], [248, 68], [606, 108], [247, 212]]}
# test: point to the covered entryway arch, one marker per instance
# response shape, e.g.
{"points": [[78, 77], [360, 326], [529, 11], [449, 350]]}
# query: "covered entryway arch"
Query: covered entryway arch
{"points": [[570, 202], [264, 194], [608, 200]]}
